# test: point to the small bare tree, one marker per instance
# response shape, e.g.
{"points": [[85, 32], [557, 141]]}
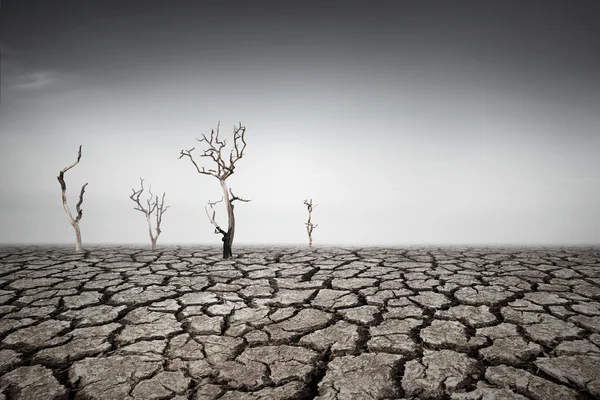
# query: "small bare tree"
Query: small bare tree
{"points": [[74, 221], [309, 224], [153, 207], [224, 169]]}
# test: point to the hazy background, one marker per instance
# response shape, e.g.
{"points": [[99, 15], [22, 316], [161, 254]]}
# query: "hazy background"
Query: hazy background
{"points": [[421, 122]]}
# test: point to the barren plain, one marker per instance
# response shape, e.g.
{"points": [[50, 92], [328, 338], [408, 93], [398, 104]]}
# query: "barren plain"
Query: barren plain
{"points": [[327, 323]]}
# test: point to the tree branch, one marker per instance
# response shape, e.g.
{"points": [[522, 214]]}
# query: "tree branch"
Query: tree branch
{"points": [[309, 205], [78, 206], [234, 197], [151, 205], [161, 209], [238, 135], [61, 175], [135, 196], [188, 153], [215, 152], [214, 214]]}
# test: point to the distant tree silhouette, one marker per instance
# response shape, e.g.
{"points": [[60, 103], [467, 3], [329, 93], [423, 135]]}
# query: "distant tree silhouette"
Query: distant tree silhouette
{"points": [[63, 186], [153, 207], [309, 224], [224, 169]]}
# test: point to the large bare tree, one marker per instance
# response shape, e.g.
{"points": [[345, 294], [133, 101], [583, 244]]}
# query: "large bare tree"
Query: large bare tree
{"points": [[153, 207], [222, 170], [63, 186], [309, 224]]}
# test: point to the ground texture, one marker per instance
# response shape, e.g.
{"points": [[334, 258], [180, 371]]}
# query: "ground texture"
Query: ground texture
{"points": [[291, 323]]}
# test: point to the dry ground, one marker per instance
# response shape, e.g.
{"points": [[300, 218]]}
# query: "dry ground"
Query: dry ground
{"points": [[292, 323]]}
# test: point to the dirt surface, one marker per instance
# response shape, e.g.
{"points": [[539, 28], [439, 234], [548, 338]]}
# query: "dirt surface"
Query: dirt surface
{"points": [[292, 323]]}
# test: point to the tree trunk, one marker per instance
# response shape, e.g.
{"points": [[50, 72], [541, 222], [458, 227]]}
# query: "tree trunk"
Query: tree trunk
{"points": [[309, 229], [228, 243], [227, 249], [77, 237], [152, 238], [74, 224]]}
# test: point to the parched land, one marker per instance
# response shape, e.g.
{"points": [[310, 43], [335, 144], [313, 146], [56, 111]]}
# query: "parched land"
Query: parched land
{"points": [[292, 323]]}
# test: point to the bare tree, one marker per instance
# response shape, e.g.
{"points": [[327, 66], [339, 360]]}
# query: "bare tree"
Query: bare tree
{"points": [[153, 207], [74, 221], [309, 224], [224, 169]]}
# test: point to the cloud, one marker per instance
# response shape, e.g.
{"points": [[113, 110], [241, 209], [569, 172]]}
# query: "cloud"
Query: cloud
{"points": [[17, 76], [33, 80]]}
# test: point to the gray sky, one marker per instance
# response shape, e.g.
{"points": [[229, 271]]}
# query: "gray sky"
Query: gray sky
{"points": [[407, 122]]}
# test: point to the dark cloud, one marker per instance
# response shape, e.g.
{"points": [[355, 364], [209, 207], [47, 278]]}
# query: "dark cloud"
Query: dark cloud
{"points": [[545, 37]]}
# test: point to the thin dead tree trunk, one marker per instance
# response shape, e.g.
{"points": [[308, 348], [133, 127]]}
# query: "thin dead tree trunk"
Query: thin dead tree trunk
{"points": [[230, 216], [309, 224], [73, 221], [152, 238], [229, 198], [154, 207], [78, 246], [223, 171]]}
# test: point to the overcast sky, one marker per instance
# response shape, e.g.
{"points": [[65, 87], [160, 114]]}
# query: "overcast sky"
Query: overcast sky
{"points": [[407, 122]]}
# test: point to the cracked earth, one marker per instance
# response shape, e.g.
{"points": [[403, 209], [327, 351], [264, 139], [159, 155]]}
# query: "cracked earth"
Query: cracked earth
{"points": [[292, 323]]}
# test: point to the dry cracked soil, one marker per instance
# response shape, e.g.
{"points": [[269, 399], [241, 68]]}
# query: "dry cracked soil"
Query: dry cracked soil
{"points": [[293, 323]]}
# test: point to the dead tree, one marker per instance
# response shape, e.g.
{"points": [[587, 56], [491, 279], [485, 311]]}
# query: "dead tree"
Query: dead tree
{"points": [[223, 170], [154, 207], [63, 186], [309, 224]]}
